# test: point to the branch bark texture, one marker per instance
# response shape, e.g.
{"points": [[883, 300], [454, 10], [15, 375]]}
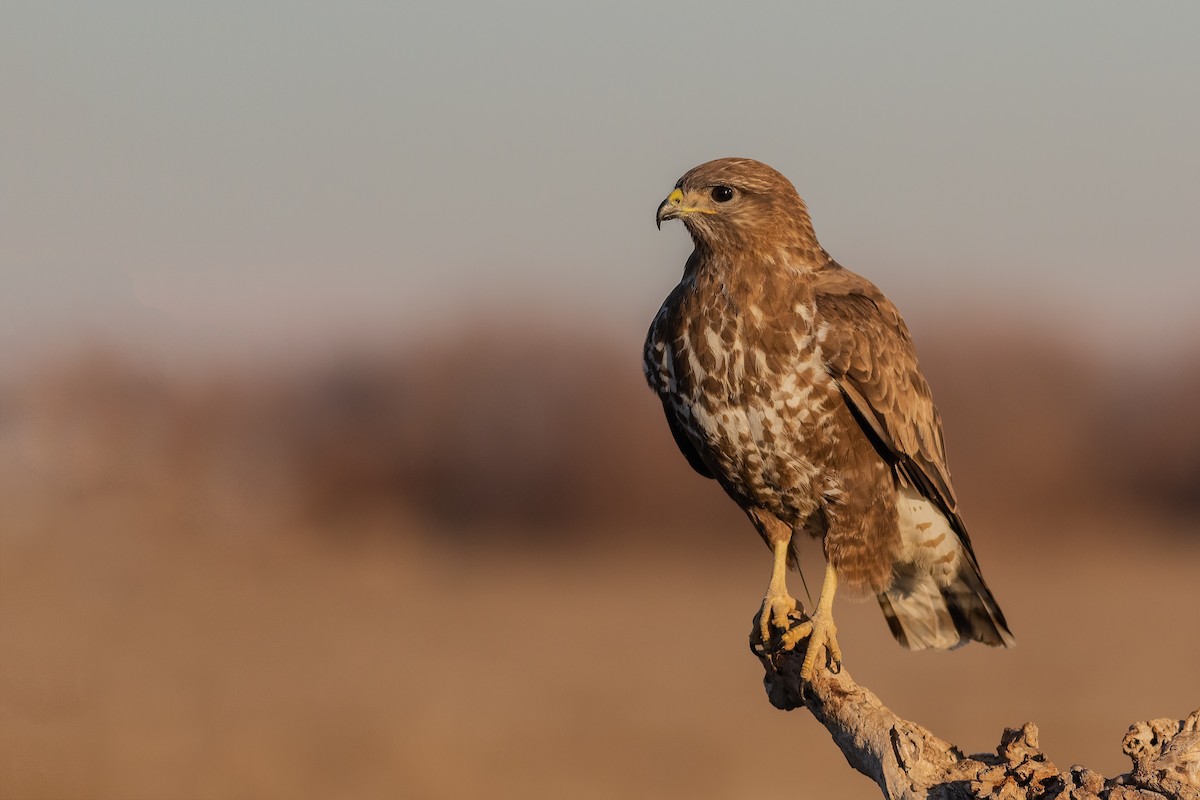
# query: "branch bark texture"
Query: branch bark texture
{"points": [[908, 762]]}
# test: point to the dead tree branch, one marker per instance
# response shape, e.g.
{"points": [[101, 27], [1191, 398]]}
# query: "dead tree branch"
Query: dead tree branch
{"points": [[908, 762]]}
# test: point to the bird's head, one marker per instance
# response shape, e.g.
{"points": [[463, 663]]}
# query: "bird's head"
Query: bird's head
{"points": [[736, 202]]}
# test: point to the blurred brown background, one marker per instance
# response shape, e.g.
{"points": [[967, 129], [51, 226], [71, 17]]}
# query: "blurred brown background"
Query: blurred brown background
{"points": [[326, 464], [481, 569]]}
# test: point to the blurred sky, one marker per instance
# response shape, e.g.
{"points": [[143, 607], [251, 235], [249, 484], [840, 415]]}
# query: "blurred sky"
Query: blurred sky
{"points": [[255, 175]]}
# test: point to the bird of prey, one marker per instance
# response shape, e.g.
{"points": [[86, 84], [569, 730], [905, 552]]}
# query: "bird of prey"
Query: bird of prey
{"points": [[793, 382]]}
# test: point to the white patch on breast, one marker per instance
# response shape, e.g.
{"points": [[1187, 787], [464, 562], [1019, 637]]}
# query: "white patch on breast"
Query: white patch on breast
{"points": [[721, 425], [928, 540], [714, 340], [760, 363]]}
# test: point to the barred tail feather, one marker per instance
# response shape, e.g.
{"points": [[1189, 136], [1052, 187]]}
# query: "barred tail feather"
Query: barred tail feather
{"points": [[923, 615]]}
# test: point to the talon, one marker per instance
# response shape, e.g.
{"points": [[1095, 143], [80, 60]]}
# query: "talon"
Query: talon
{"points": [[796, 635], [820, 631], [833, 650], [822, 636], [778, 610]]}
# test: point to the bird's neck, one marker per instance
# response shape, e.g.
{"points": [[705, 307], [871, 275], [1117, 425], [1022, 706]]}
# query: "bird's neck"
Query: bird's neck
{"points": [[757, 288], [766, 261]]}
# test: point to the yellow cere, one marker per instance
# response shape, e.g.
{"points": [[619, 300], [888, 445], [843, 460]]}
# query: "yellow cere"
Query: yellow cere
{"points": [[676, 197]]}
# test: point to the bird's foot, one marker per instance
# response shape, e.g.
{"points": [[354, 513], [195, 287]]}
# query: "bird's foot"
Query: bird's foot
{"points": [[780, 611], [821, 634]]}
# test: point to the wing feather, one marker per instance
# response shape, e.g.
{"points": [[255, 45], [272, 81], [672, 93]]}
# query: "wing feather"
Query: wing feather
{"points": [[870, 353], [652, 359], [685, 444]]}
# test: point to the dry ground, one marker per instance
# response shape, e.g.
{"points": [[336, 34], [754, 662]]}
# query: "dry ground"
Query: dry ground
{"points": [[149, 655]]}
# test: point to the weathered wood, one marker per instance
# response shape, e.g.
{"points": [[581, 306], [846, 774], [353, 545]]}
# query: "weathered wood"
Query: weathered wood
{"points": [[908, 762]]}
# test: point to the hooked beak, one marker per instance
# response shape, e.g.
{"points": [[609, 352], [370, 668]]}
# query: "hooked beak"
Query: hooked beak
{"points": [[669, 208]]}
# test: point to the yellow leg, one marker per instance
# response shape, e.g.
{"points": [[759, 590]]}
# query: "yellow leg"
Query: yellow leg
{"points": [[819, 630], [779, 608]]}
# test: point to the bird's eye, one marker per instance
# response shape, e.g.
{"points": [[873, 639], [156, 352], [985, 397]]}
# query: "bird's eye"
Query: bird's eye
{"points": [[722, 194]]}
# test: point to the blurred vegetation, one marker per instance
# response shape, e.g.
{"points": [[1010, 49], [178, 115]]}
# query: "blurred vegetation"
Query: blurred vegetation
{"points": [[544, 434]]}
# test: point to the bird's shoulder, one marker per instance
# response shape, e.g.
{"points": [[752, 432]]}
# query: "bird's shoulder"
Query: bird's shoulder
{"points": [[863, 335], [842, 294]]}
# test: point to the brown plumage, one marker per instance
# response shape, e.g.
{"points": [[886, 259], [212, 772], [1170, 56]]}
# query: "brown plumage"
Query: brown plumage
{"points": [[794, 383]]}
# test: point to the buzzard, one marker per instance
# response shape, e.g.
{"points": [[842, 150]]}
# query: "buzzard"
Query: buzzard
{"points": [[793, 382]]}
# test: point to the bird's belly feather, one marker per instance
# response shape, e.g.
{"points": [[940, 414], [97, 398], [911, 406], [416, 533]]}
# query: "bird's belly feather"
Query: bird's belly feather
{"points": [[765, 436]]}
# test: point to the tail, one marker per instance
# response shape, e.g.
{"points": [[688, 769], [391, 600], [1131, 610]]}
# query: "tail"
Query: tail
{"points": [[923, 614]]}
